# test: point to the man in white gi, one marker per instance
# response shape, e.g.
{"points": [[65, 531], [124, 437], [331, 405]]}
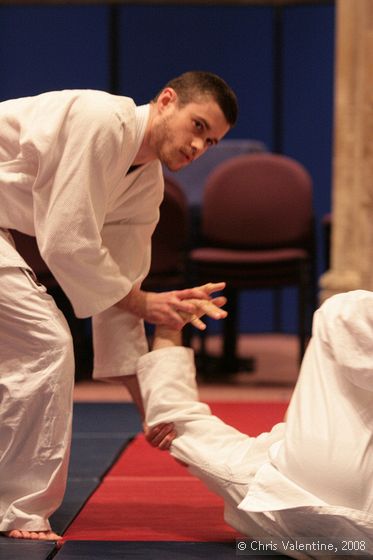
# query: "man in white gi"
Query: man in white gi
{"points": [[304, 488], [81, 171]]}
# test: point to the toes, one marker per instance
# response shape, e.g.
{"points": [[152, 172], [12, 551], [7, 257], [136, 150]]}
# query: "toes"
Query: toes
{"points": [[46, 536], [33, 535], [53, 536], [14, 534], [17, 534]]}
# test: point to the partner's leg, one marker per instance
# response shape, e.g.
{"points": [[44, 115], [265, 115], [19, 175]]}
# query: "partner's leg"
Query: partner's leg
{"points": [[36, 380]]}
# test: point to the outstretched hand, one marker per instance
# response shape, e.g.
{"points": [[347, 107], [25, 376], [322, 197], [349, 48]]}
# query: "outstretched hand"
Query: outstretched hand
{"points": [[210, 307], [187, 306], [174, 309]]}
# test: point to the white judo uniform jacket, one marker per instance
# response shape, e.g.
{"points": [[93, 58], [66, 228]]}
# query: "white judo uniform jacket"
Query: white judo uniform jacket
{"points": [[64, 161]]}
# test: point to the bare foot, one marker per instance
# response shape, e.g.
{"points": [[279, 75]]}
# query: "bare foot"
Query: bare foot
{"points": [[34, 535]]}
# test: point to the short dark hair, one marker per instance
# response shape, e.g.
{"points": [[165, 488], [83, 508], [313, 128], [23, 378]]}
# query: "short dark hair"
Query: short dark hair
{"points": [[191, 85]]}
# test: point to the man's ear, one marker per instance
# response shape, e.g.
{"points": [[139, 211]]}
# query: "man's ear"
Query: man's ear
{"points": [[167, 97]]}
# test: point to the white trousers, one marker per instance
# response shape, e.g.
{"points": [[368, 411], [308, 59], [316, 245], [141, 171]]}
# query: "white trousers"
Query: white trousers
{"points": [[36, 382]]}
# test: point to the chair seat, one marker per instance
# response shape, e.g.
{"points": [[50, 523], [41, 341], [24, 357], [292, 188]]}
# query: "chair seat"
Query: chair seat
{"points": [[248, 269], [242, 257]]}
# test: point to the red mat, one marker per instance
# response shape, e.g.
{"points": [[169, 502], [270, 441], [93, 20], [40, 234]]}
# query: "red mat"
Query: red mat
{"points": [[147, 495]]}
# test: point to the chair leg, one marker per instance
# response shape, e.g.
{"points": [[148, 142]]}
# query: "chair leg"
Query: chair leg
{"points": [[187, 335]]}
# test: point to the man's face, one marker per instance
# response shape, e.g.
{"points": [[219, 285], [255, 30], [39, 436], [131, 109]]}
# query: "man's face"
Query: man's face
{"points": [[181, 134]]}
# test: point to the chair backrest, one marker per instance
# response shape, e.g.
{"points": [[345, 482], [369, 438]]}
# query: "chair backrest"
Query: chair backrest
{"points": [[258, 201], [193, 177], [170, 237]]}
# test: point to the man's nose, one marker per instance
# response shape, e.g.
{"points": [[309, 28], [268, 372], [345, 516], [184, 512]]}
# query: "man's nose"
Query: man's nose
{"points": [[198, 147]]}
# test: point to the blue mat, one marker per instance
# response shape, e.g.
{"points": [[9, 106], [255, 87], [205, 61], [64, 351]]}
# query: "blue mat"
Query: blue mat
{"points": [[156, 550], [106, 418], [11, 549], [92, 456]]}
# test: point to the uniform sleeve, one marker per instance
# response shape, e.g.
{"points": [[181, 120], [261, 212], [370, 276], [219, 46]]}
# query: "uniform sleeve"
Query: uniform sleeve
{"points": [[119, 341], [345, 325], [79, 168]]}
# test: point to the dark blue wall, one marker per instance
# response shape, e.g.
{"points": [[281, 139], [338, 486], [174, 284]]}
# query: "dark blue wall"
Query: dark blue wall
{"points": [[44, 48]]}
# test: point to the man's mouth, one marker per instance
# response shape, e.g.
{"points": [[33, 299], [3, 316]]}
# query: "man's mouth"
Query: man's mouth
{"points": [[186, 156]]}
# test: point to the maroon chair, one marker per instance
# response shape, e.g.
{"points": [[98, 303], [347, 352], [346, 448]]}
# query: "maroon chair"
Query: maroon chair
{"points": [[170, 241], [258, 231]]}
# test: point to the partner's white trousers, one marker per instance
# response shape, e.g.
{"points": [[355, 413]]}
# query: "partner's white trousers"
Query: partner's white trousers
{"points": [[36, 382]]}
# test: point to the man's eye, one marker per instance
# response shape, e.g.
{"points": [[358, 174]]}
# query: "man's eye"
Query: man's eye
{"points": [[198, 125]]}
